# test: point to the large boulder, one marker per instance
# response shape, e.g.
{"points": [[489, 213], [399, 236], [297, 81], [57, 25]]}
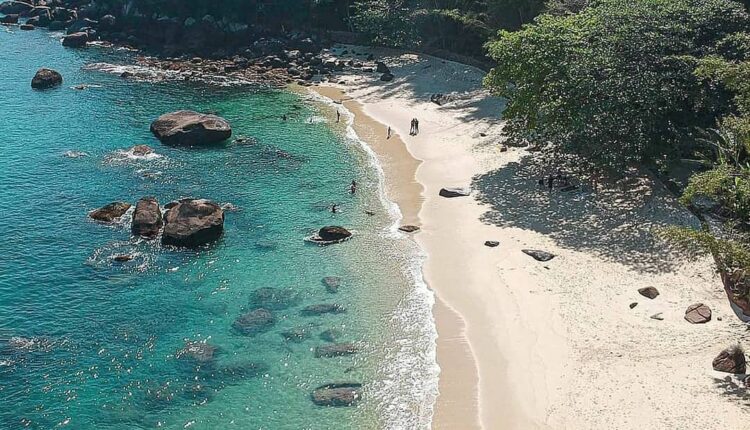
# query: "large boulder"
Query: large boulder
{"points": [[336, 350], [380, 67], [650, 292], [345, 394], [454, 192], [107, 23], [192, 222], [46, 78], [147, 219], [110, 212], [81, 25], [698, 313], [254, 322], [333, 233], [15, 7], [187, 127], [731, 360], [76, 40]]}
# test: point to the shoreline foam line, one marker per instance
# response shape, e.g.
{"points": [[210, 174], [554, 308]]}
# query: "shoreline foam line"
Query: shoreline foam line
{"points": [[421, 290]]}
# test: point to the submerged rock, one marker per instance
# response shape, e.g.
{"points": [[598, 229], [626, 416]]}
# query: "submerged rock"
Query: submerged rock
{"points": [[141, 150], [273, 298], [190, 128], [46, 78], [192, 222], [147, 220], [341, 394], [323, 308], [731, 360], [199, 352], [332, 283], [330, 335], [254, 322], [297, 334], [538, 255], [336, 350], [698, 313], [110, 212]]}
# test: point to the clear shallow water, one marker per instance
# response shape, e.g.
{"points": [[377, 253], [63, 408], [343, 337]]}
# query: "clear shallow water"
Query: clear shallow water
{"points": [[88, 343]]}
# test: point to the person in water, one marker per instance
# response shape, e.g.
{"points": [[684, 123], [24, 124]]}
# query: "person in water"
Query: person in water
{"points": [[283, 117], [334, 208], [353, 187]]}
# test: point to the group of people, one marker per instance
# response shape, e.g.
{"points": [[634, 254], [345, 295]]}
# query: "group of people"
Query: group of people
{"points": [[414, 130], [559, 178]]}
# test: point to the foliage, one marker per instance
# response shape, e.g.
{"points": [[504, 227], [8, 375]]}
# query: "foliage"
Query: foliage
{"points": [[729, 253], [727, 186], [615, 82]]}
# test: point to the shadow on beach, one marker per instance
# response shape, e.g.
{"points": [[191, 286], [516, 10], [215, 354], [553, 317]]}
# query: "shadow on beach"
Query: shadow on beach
{"points": [[616, 224]]}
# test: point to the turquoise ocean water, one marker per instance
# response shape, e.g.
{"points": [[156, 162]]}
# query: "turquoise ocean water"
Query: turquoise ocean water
{"points": [[88, 343]]}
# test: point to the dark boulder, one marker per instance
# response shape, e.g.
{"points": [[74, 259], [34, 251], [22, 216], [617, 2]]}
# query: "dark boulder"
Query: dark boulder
{"points": [[386, 77], [731, 360], [650, 292], [123, 258], [46, 78], [110, 212], [141, 150], [491, 243], [336, 350], [698, 313], [15, 7], [380, 67], [333, 233], [190, 128], [254, 322], [345, 394], [192, 222], [409, 228], [56, 26], [147, 220], [454, 192], [538, 255], [9, 19], [81, 25], [27, 27], [76, 40], [107, 23], [323, 308]]}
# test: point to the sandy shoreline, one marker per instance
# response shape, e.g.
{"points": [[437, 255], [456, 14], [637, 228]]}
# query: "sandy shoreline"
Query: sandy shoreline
{"points": [[524, 344]]}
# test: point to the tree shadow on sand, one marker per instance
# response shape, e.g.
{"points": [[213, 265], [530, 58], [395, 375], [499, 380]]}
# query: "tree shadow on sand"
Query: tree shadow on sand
{"points": [[616, 224]]}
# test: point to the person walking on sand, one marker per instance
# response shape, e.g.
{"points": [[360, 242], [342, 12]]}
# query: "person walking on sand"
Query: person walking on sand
{"points": [[338, 115], [388, 136]]}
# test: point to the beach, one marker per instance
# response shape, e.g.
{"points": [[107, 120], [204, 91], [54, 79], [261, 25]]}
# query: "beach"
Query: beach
{"points": [[567, 343]]}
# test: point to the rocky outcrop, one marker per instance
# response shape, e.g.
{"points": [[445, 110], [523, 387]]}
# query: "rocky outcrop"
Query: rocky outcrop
{"points": [[15, 7], [731, 360], [147, 219], [110, 212], [9, 19], [333, 233], [538, 255], [336, 350], [192, 222], [323, 308], [189, 128], [76, 40], [454, 192], [342, 394], [650, 292], [698, 313], [46, 78], [254, 322]]}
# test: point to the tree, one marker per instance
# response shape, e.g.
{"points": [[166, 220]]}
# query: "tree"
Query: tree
{"points": [[613, 83]]}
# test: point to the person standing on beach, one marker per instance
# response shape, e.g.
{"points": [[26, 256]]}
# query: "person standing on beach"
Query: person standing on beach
{"points": [[416, 126], [338, 115], [389, 133], [412, 129]]}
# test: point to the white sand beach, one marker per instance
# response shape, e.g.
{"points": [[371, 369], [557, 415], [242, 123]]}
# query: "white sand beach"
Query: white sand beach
{"points": [[525, 344]]}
